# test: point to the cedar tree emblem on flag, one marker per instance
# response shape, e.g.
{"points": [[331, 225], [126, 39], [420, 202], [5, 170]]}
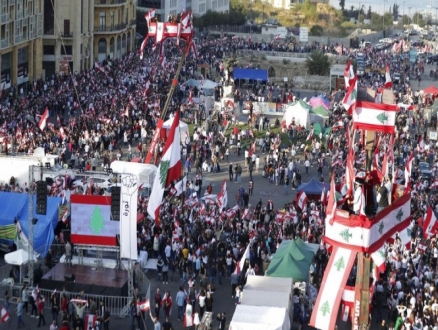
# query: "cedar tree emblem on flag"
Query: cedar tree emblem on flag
{"points": [[399, 215], [381, 227], [163, 172], [325, 308], [346, 235], [340, 264], [382, 117]]}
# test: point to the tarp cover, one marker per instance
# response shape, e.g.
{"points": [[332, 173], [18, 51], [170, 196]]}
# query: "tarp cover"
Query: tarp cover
{"points": [[16, 206], [264, 283], [254, 74], [260, 318], [266, 298], [18, 257], [298, 111], [313, 187]]}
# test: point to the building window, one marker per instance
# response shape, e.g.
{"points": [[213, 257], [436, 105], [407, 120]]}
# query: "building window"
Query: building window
{"points": [[49, 17], [201, 8], [172, 3], [66, 50], [66, 27], [102, 20], [112, 20], [214, 5], [48, 50]]}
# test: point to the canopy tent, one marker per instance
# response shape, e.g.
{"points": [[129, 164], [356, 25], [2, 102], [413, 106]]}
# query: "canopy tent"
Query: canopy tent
{"points": [[259, 318], [313, 187], [15, 206], [300, 112], [18, 258], [307, 246], [319, 101], [183, 129], [264, 283], [320, 111], [430, 90], [204, 84], [252, 74], [292, 261], [317, 129]]}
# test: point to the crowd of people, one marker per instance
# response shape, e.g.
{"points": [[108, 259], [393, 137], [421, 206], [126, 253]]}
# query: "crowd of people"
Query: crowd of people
{"points": [[110, 113]]}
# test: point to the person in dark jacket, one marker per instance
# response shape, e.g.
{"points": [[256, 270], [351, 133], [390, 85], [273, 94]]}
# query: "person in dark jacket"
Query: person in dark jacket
{"points": [[222, 320]]}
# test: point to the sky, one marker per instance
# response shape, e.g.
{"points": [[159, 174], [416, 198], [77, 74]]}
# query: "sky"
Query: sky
{"points": [[377, 5]]}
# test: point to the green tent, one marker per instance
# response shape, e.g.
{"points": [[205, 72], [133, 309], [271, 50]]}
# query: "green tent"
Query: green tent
{"points": [[317, 129], [307, 246], [303, 104], [292, 260], [320, 111]]}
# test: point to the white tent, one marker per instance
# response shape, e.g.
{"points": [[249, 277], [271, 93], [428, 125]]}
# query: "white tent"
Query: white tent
{"points": [[264, 283], [300, 112], [268, 298], [183, 128], [259, 318], [17, 258]]}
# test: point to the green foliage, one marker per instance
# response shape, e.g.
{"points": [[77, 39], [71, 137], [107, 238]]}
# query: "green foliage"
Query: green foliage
{"points": [[369, 13], [342, 4], [236, 16], [316, 30], [318, 63], [406, 20], [361, 18], [348, 25], [395, 11], [418, 19]]}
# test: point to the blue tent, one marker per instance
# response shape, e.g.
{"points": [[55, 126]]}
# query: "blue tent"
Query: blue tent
{"points": [[16, 206], [254, 74], [312, 187]]}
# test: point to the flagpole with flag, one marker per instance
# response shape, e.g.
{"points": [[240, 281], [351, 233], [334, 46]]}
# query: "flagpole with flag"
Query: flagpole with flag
{"points": [[169, 168]]}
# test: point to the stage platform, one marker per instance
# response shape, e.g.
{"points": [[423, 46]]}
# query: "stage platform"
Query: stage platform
{"points": [[103, 281]]}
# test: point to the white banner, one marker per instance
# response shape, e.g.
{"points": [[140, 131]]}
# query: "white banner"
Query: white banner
{"points": [[336, 274], [128, 216]]}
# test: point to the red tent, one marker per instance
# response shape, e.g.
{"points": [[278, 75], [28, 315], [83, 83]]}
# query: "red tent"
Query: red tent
{"points": [[431, 90]]}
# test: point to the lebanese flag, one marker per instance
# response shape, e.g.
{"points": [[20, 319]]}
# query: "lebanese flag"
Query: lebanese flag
{"points": [[323, 195], [301, 200], [62, 133], [146, 87], [430, 223], [144, 306], [310, 136], [222, 197], [160, 33], [5, 315], [350, 98], [188, 316], [408, 171], [348, 74], [388, 80], [421, 144], [169, 168], [163, 61], [338, 125], [331, 203], [149, 15], [379, 258], [64, 215], [43, 120], [142, 47], [434, 184], [90, 321], [99, 67], [191, 96], [375, 116], [126, 112]]}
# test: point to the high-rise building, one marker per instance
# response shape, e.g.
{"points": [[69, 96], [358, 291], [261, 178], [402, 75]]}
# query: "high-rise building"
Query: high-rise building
{"points": [[164, 8], [21, 24], [77, 33]]}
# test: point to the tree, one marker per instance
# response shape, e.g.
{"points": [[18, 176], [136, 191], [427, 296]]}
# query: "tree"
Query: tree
{"points": [[418, 19], [395, 11], [369, 13], [406, 20], [318, 63], [376, 20], [96, 221], [342, 4], [316, 30], [361, 18]]}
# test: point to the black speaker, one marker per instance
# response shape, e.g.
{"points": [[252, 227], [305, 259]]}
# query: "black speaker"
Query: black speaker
{"points": [[41, 198], [69, 277], [115, 203]]}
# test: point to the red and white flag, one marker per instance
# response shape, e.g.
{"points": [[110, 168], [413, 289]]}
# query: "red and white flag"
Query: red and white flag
{"points": [[310, 135], [62, 133], [408, 170], [90, 321], [351, 97], [338, 125], [5, 315], [163, 61], [99, 67], [331, 203], [149, 15], [169, 168], [430, 223], [43, 120], [348, 74], [421, 144], [375, 116], [191, 96], [126, 112], [58, 120], [388, 80], [301, 200], [144, 306], [222, 197]]}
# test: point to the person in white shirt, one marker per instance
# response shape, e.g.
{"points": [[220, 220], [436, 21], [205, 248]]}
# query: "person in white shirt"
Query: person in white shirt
{"points": [[358, 198]]}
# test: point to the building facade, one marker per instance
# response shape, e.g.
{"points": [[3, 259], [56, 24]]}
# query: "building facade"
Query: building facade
{"points": [[21, 24], [164, 8], [78, 33]]}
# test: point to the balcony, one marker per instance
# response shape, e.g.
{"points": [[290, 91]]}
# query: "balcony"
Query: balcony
{"points": [[133, 22], [18, 39], [110, 29], [67, 35], [111, 3]]}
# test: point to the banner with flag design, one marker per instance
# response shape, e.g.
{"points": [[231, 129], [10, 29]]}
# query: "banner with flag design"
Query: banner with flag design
{"points": [[374, 116], [4, 315], [329, 298], [350, 98]]}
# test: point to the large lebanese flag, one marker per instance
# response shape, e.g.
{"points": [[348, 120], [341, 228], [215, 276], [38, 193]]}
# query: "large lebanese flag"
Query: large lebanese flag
{"points": [[388, 80], [348, 74], [351, 97], [408, 171], [430, 223], [374, 116], [43, 120], [169, 168], [222, 197]]}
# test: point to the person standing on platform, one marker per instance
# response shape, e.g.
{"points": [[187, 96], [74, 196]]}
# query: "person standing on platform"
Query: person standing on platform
{"points": [[41, 312], [68, 254], [157, 302], [20, 313], [106, 319], [180, 300], [250, 186]]}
